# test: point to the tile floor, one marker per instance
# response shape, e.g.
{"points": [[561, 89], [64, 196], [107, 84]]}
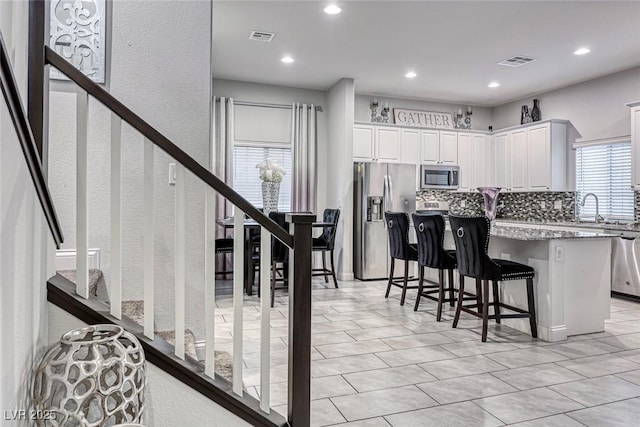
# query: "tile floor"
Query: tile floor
{"points": [[376, 363]]}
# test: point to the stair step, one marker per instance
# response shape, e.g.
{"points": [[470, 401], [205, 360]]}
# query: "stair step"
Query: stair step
{"points": [[96, 281]]}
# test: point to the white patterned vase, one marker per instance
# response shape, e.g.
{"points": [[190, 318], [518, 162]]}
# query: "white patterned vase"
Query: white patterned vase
{"points": [[94, 376], [270, 195]]}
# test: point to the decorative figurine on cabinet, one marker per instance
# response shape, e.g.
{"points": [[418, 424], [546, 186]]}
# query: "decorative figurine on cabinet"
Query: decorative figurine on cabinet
{"points": [[524, 115], [384, 114], [535, 111]]}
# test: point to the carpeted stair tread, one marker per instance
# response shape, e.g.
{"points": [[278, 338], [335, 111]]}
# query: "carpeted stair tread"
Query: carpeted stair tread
{"points": [[96, 279]]}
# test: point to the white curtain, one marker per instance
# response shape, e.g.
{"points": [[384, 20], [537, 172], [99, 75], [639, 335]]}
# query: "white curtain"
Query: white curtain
{"points": [[223, 130], [223, 168], [303, 140]]}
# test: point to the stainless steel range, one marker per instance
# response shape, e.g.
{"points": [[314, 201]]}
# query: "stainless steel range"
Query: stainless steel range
{"points": [[432, 207]]}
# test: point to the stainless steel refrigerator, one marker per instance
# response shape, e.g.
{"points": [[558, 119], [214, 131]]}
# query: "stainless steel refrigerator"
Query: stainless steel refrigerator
{"points": [[378, 187]]}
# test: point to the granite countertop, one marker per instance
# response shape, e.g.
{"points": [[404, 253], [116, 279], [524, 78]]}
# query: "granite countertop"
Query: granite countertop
{"points": [[520, 233], [586, 225]]}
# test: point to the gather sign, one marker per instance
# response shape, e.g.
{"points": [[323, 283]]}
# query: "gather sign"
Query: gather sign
{"points": [[427, 119]]}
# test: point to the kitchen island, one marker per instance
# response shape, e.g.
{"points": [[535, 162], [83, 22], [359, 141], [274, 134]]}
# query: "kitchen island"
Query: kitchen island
{"points": [[573, 277]]}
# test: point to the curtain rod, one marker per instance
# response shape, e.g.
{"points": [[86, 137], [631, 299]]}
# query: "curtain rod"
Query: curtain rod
{"points": [[262, 104]]}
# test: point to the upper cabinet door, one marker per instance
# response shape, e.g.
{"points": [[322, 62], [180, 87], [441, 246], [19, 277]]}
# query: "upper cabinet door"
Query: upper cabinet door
{"points": [[466, 161], [482, 161], [363, 143], [410, 146], [389, 144], [502, 161], [449, 148], [518, 158], [538, 161], [430, 146]]}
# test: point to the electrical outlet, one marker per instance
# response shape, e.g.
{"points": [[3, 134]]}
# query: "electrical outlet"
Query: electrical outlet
{"points": [[559, 253], [543, 205], [463, 203], [557, 205], [172, 174]]}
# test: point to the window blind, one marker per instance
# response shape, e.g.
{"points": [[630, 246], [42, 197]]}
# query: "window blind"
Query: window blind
{"points": [[246, 177], [605, 170]]}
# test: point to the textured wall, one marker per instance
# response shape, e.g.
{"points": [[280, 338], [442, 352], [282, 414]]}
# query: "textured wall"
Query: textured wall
{"points": [[26, 248], [160, 69], [596, 108]]}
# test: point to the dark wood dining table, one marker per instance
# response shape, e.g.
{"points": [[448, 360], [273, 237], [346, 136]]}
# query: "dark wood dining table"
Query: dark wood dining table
{"points": [[250, 224]]}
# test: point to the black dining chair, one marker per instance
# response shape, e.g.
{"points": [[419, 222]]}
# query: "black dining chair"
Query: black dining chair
{"points": [[471, 237], [397, 224], [224, 246], [432, 254], [326, 243]]}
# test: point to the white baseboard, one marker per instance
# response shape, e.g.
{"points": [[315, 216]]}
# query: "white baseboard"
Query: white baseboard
{"points": [[66, 259], [345, 276]]}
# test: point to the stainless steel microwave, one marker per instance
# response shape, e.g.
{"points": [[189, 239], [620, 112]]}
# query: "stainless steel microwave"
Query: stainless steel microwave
{"points": [[439, 177]]}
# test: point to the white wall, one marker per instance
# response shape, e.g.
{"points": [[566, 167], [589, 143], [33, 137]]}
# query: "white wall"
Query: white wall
{"points": [[596, 108], [480, 120], [26, 247], [160, 68], [270, 94], [340, 105], [169, 402]]}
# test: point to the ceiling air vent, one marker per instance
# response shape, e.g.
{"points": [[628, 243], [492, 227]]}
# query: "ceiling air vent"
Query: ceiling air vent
{"points": [[261, 36], [516, 61]]}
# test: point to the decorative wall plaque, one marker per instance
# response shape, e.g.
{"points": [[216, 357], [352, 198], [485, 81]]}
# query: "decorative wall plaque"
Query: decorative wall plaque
{"points": [[427, 119], [78, 35]]}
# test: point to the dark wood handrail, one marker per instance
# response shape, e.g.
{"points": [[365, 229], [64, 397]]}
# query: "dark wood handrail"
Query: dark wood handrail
{"points": [[165, 144], [27, 142]]}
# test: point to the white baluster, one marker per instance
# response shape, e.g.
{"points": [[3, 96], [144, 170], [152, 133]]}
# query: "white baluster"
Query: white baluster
{"points": [[116, 216], [180, 261], [238, 295], [210, 283], [82, 218], [265, 318], [149, 310]]}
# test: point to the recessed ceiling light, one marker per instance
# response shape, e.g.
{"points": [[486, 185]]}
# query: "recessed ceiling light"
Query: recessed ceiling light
{"points": [[494, 85], [582, 51], [410, 75], [332, 9], [287, 59]]}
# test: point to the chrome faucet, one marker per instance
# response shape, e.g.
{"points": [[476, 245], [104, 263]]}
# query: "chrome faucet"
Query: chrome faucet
{"points": [[584, 199]]}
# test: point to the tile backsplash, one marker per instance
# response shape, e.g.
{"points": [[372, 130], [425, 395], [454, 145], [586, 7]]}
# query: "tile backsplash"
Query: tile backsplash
{"points": [[636, 207], [529, 206]]}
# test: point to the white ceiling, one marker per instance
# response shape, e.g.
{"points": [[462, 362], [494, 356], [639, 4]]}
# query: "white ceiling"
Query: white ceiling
{"points": [[453, 46]]}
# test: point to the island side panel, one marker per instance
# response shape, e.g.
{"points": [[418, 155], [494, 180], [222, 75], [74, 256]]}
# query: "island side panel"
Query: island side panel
{"points": [[587, 280]]}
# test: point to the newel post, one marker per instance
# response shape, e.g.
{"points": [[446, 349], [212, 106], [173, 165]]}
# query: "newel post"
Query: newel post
{"points": [[299, 397]]}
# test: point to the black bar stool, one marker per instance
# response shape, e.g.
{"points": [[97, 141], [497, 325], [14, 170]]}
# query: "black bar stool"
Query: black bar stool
{"points": [[400, 248], [471, 236], [326, 243], [432, 254]]}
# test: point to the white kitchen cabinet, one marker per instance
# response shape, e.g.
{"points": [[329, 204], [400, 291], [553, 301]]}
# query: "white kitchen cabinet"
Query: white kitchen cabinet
{"points": [[635, 144], [448, 148], [439, 147], [466, 162], [388, 144], [538, 157], [430, 146], [410, 146], [483, 166], [502, 161], [377, 143], [518, 160], [363, 143]]}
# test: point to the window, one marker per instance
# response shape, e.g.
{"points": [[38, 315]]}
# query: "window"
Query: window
{"points": [[246, 177], [606, 171]]}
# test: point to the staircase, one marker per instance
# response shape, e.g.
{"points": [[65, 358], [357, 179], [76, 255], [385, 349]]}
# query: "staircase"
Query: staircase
{"points": [[82, 292]]}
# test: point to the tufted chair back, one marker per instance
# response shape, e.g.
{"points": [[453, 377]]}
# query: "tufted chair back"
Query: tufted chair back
{"points": [[398, 230], [471, 236], [430, 234]]}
